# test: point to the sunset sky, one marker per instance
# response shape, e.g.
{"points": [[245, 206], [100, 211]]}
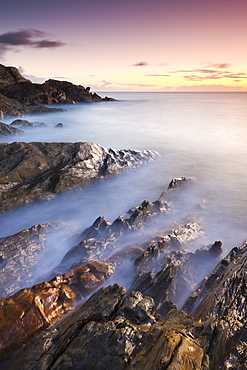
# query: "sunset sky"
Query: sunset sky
{"points": [[131, 45]]}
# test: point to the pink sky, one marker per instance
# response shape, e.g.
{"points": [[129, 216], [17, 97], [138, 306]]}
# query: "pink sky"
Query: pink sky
{"points": [[148, 45]]}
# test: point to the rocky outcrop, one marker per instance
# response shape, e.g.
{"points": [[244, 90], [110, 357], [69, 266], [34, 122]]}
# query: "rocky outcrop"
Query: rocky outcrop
{"points": [[8, 130], [54, 325], [11, 107], [220, 301], [19, 256], [32, 308], [10, 76], [19, 95], [116, 330], [37, 171]]}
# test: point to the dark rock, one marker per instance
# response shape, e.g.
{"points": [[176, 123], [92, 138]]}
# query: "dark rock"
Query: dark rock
{"points": [[220, 301], [59, 125], [115, 332], [19, 257], [19, 122], [172, 276], [10, 76], [8, 130], [38, 171], [32, 308], [19, 95]]}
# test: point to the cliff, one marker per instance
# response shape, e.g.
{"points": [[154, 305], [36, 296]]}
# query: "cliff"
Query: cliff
{"points": [[19, 95]]}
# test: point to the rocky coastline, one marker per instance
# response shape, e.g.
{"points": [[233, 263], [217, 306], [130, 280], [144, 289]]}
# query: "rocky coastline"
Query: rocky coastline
{"points": [[19, 95], [183, 302]]}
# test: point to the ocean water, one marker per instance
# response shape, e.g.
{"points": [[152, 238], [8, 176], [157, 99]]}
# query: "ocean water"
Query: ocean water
{"points": [[199, 135]]}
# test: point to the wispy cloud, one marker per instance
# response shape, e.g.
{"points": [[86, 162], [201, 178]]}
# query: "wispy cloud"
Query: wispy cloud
{"points": [[140, 64], [157, 75], [219, 65], [27, 37], [209, 74]]}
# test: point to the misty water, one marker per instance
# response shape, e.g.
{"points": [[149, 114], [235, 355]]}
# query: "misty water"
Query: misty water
{"points": [[199, 135]]}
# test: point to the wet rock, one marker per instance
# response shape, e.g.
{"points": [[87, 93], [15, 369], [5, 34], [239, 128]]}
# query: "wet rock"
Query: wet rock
{"points": [[33, 308], [220, 301], [115, 331], [24, 123], [8, 130], [19, 122], [168, 275], [19, 255], [38, 171]]}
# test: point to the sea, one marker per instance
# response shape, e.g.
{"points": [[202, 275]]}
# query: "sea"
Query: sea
{"points": [[197, 135]]}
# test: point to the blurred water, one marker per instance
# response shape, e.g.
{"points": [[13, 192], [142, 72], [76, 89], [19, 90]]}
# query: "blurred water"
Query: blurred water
{"points": [[202, 135]]}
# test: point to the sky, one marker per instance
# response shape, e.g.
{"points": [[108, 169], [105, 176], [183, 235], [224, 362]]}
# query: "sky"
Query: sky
{"points": [[131, 45]]}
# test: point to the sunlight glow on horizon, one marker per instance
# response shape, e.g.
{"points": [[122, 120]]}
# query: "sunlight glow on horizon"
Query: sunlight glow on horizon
{"points": [[131, 46]]}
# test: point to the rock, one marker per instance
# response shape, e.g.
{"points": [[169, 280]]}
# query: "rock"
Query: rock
{"points": [[59, 125], [171, 276], [32, 308], [19, 256], [8, 130], [19, 122], [11, 107], [37, 171], [24, 123], [220, 301], [19, 95], [115, 331], [10, 76], [54, 325]]}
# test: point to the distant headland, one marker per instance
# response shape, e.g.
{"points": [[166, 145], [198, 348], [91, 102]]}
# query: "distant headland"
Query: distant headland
{"points": [[19, 95]]}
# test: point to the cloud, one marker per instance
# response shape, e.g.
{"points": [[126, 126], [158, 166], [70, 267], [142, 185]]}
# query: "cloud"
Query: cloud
{"points": [[156, 75], [48, 44], [209, 74], [140, 64], [210, 88], [135, 85], [26, 37], [34, 79], [219, 65]]}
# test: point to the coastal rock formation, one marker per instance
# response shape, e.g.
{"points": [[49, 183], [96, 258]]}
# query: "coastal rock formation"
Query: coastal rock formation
{"points": [[8, 130], [19, 95], [19, 255], [38, 171], [220, 301], [56, 324], [123, 331]]}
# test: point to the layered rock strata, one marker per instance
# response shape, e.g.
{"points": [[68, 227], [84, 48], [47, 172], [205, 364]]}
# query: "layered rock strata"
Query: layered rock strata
{"points": [[47, 327], [38, 171]]}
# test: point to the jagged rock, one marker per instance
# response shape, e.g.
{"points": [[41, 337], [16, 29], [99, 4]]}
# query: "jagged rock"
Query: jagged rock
{"points": [[103, 237], [114, 331], [220, 301], [19, 95], [24, 123], [172, 276], [19, 255], [38, 171], [8, 130], [11, 107], [32, 308], [10, 76]]}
